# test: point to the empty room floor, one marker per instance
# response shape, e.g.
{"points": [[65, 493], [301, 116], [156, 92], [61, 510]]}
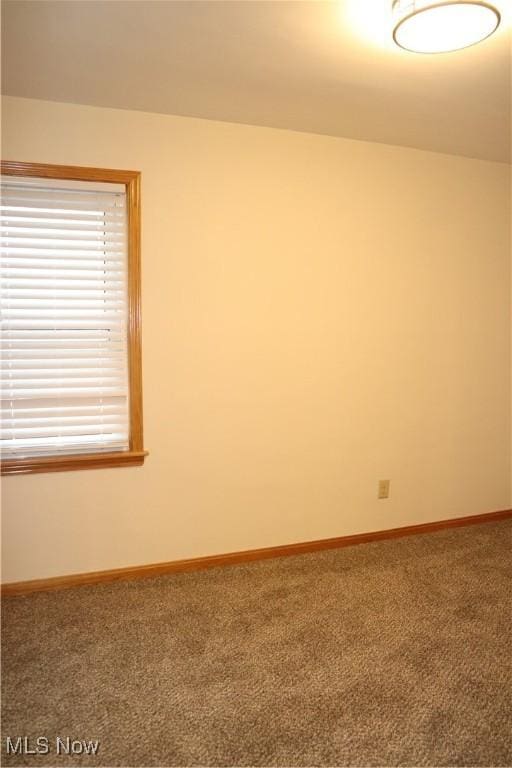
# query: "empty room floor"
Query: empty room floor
{"points": [[384, 654]]}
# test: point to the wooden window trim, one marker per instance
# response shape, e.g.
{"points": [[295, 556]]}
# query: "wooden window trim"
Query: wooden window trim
{"points": [[135, 455]]}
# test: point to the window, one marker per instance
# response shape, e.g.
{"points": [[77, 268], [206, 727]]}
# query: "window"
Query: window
{"points": [[71, 395]]}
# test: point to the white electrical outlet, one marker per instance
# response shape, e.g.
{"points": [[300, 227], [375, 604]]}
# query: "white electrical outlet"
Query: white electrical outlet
{"points": [[383, 490]]}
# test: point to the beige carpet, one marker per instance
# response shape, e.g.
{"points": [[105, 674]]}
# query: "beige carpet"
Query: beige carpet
{"points": [[389, 654]]}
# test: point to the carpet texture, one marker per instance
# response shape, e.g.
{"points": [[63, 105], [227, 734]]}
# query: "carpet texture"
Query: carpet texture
{"points": [[395, 653]]}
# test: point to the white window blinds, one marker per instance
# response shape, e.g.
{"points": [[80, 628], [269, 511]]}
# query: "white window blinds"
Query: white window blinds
{"points": [[64, 381]]}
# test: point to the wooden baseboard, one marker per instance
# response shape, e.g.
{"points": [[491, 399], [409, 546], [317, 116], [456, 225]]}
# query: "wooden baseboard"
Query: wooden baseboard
{"points": [[14, 589]]}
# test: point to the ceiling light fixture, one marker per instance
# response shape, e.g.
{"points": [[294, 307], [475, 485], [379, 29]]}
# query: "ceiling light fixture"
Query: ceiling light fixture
{"points": [[424, 26]]}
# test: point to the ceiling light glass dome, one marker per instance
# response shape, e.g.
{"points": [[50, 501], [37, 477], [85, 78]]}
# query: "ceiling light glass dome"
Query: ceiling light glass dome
{"points": [[424, 26]]}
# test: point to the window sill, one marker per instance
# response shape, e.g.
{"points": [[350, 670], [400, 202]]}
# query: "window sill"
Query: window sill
{"points": [[66, 463]]}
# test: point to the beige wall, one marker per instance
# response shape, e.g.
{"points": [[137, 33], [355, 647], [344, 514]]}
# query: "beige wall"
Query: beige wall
{"points": [[318, 313]]}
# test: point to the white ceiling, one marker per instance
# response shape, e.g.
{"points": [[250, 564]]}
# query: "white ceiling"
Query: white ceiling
{"points": [[310, 65]]}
